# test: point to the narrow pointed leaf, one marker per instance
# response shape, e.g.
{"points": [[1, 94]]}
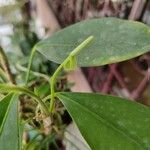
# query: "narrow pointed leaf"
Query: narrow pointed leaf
{"points": [[9, 126], [115, 40], [108, 122]]}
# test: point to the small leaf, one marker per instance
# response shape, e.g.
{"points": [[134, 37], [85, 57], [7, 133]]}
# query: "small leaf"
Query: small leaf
{"points": [[9, 124], [72, 64], [115, 40], [108, 122]]}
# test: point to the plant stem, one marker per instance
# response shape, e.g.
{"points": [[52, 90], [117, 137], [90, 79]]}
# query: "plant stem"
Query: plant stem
{"points": [[13, 88], [46, 98], [30, 63], [3, 75], [56, 73], [5, 65], [38, 74]]}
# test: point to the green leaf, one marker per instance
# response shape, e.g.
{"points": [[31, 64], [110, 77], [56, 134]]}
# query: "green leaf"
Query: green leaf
{"points": [[9, 124], [115, 40], [108, 122]]}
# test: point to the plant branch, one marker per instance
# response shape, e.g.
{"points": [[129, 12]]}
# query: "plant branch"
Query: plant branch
{"points": [[53, 78], [30, 63], [38, 74], [13, 88], [3, 75], [5, 66]]}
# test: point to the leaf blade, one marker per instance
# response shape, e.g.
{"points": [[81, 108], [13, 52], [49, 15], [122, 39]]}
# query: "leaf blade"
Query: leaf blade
{"points": [[9, 125], [119, 123], [115, 40]]}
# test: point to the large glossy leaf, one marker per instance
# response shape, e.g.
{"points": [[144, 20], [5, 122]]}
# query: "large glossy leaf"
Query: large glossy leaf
{"points": [[9, 126], [109, 123], [115, 40]]}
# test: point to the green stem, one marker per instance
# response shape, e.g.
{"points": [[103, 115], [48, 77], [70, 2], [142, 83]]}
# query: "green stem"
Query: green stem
{"points": [[3, 75], [56, 73], [46, 98], [38, 74], [30, 63], [13, 88]]}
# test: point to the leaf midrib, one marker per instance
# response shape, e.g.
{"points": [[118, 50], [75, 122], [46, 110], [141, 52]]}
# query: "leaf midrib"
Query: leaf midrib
{"points": [[108, 123], [6, 115], [73, 45]]}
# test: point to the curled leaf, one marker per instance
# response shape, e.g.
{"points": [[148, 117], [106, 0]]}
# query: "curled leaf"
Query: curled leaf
{"points": [[71, 64]]}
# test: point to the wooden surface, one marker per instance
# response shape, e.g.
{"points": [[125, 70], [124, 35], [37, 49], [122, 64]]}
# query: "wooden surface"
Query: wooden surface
{"points": [[81, 84], [46, 16]]}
